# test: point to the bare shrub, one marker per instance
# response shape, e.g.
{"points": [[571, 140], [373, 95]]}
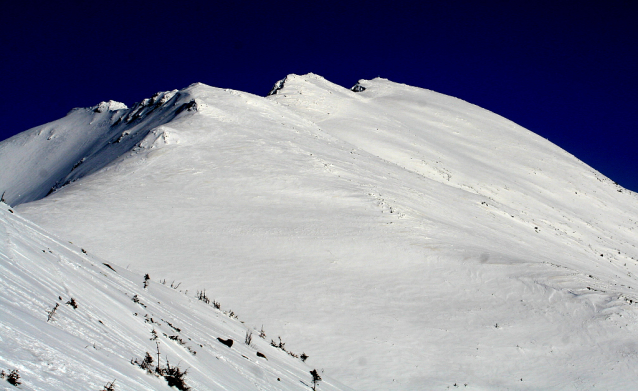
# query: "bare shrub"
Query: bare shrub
{"points": [[201, 296], [72, 303], [109, 386], [51, 313]]}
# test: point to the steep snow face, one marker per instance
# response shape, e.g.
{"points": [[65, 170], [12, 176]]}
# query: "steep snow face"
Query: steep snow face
{"points": [[48, 157], [72, 321], [406, 239]]}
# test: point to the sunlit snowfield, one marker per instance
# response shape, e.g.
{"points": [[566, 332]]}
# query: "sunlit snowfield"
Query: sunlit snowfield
{"points": [[71, 321], [403, 239]]}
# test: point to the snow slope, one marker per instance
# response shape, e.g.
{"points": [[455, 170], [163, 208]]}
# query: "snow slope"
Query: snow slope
{"points": [[89, 346], [405, 239]]}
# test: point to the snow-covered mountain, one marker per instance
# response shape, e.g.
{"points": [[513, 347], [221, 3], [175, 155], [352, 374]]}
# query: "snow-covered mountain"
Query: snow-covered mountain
{"points": [[404, 239]]}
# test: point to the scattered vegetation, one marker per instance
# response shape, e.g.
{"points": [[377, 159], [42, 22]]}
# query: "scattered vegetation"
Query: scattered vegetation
{"points": [[201, 296], [281, 345], [174, 376], [181, 342], [171, 326], [136, 300], [177, 339], [150, 320], [262, 333]]}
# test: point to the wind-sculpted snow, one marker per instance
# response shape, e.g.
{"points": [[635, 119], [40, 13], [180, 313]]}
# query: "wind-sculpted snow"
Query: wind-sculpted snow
{"points": [[408, 239], [114, 319]]}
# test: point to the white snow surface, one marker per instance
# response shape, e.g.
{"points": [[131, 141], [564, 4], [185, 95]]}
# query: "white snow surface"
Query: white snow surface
{"points": [[86, 347], [404, 239]]}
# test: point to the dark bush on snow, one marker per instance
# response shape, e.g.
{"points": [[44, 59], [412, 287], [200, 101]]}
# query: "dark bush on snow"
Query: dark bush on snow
{"points": [[109, 386], [175, 377], [146, 363], [315, 379], [13, 377]]}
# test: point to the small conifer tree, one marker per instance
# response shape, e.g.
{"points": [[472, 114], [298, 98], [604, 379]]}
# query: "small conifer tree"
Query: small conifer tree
{"points": [[315, 379]]}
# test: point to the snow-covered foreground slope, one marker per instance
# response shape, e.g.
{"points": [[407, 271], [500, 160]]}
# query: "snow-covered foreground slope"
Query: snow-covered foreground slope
{"points": [[86, 347], [405, 239]]}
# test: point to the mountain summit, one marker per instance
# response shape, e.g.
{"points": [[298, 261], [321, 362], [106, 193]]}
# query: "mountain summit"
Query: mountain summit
{"points": [[406, 239]]}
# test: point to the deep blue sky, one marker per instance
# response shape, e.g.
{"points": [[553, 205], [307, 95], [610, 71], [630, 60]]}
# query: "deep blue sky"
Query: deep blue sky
{"points": [[566, 71]]}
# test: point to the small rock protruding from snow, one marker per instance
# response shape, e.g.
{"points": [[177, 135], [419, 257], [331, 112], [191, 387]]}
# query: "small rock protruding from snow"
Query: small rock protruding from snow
{"points": [[193, 105], [159, 98], [228, 342], [157, 138], [278, 86], [110, 105], [358, 88]]}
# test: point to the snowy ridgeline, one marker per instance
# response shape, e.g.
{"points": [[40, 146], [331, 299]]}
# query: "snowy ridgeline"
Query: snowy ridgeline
{"points": [[85, 140], [72, 321], [406, 239]]}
